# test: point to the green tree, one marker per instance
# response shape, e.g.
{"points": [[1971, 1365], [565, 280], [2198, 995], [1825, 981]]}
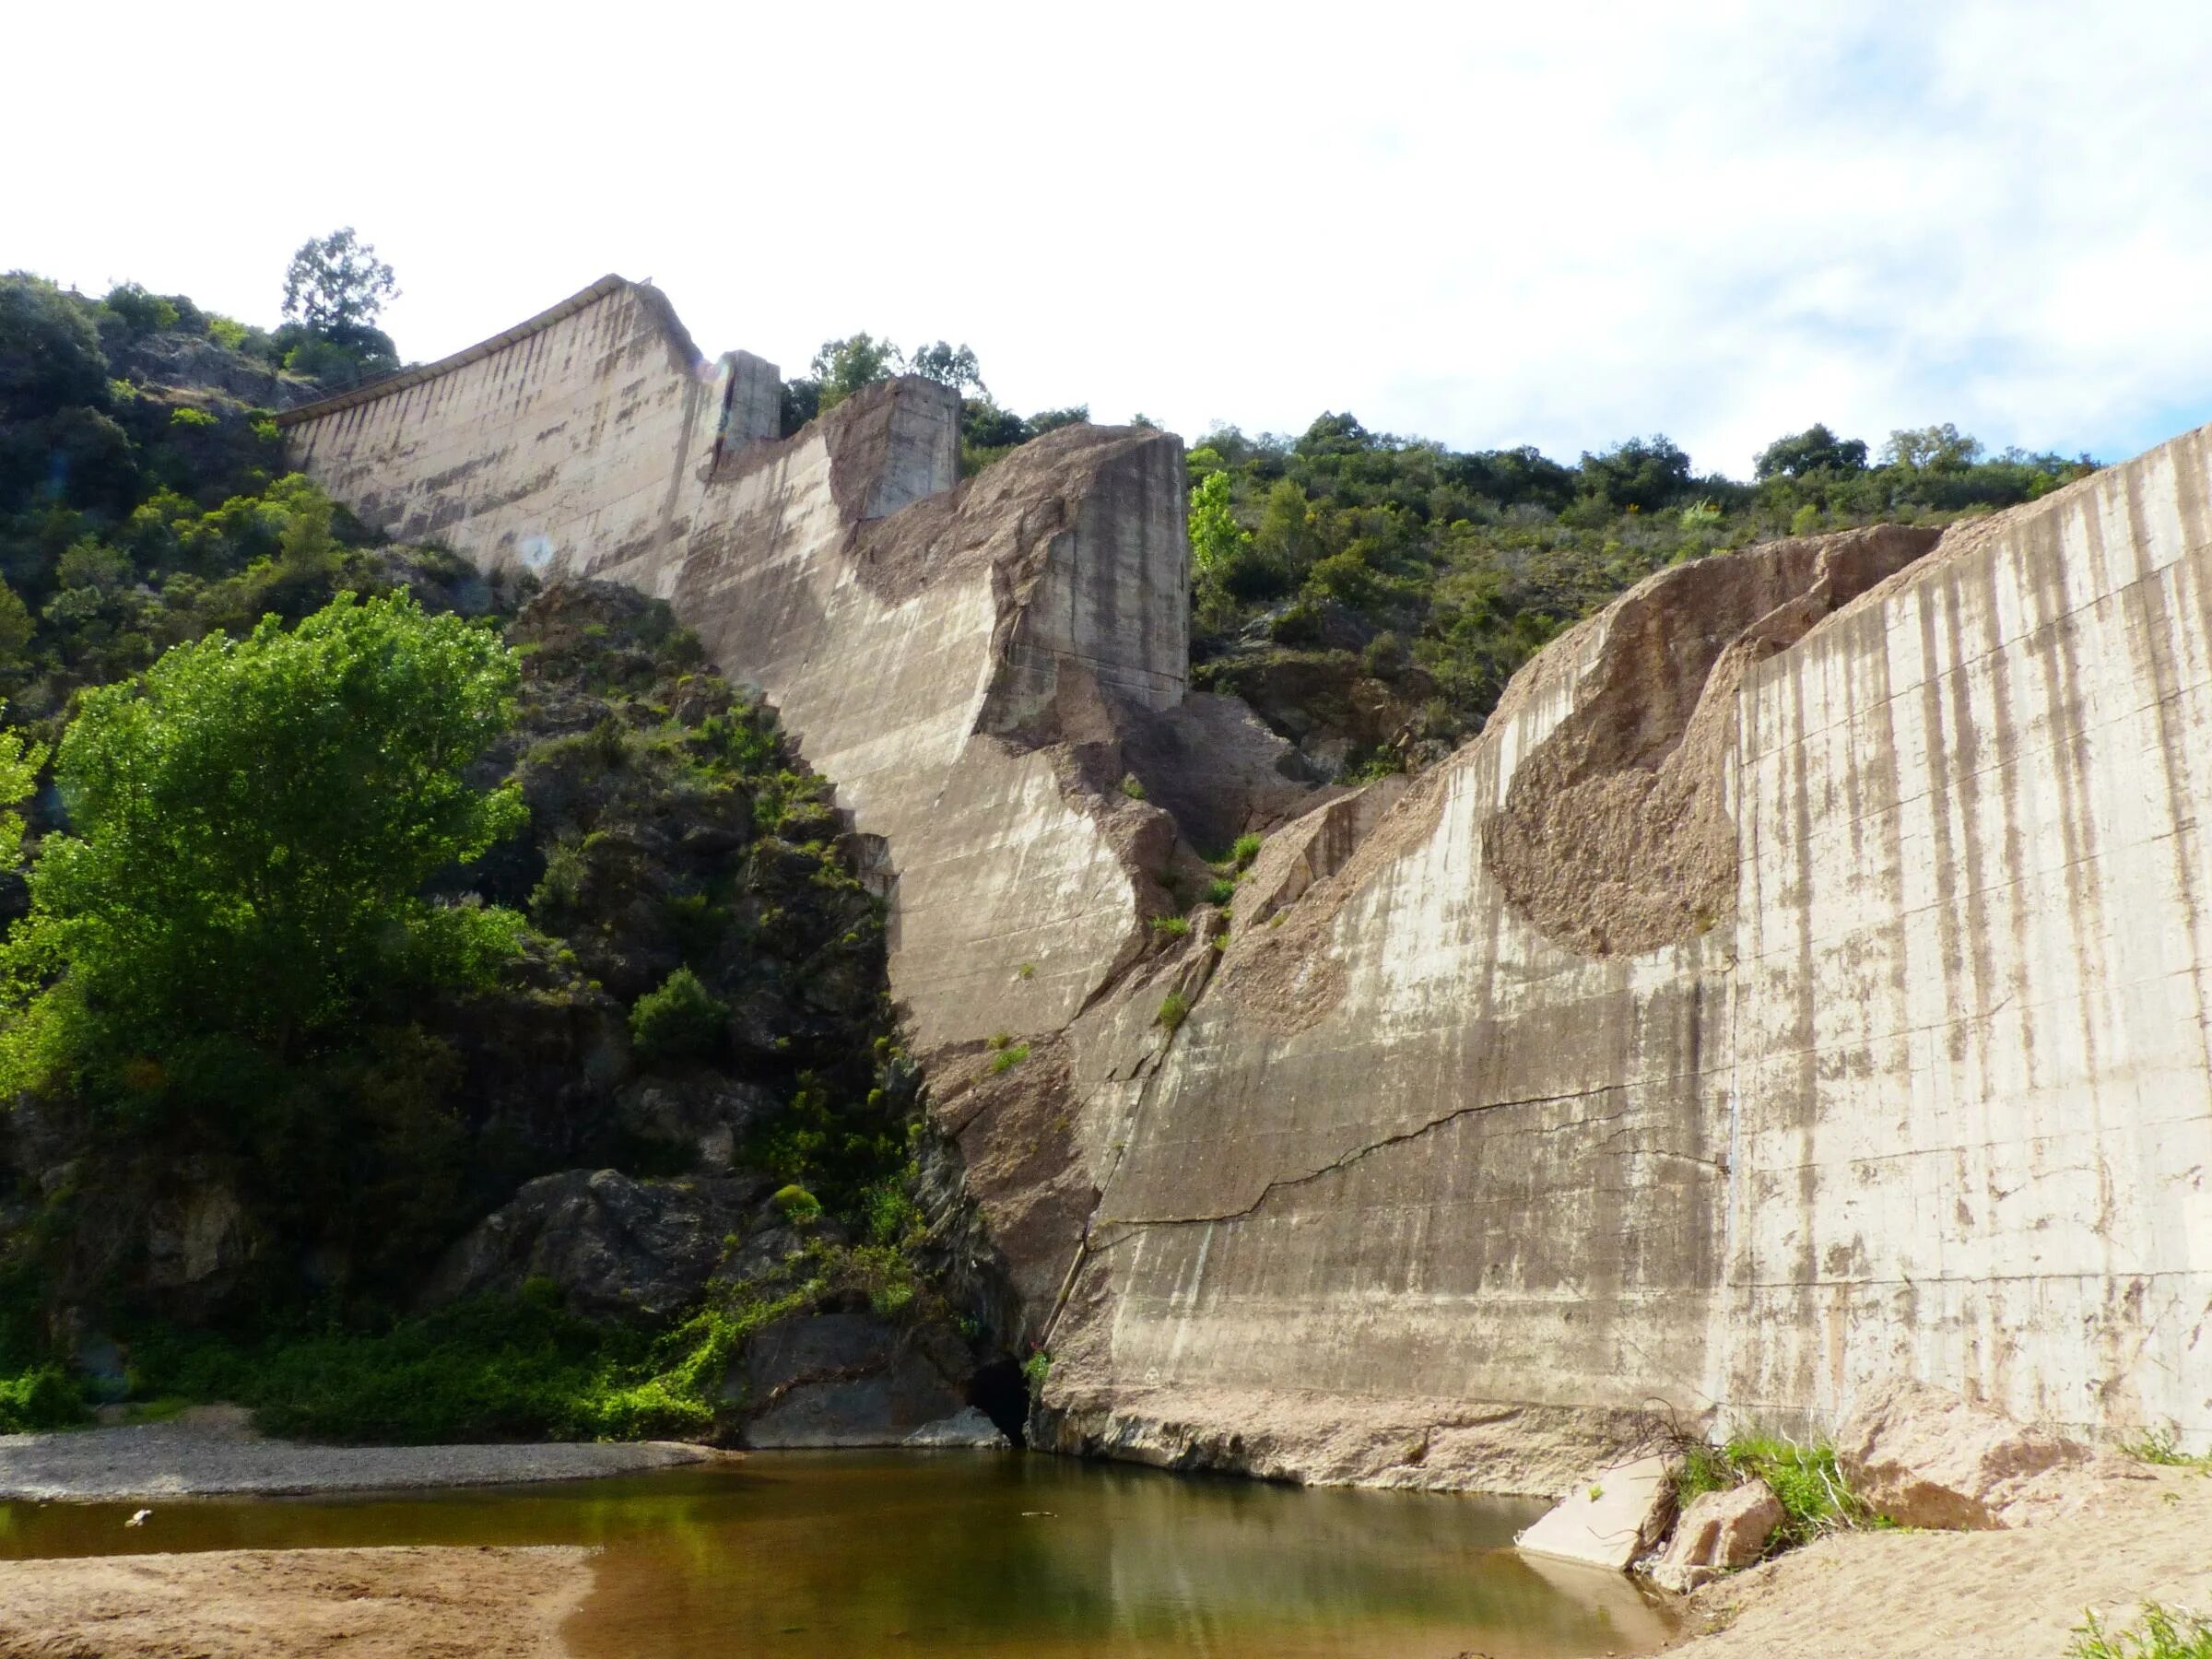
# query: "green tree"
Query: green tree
{"points": [[252, 822], [1932, 449], [1647, 474], [1217, 540], [843, 366], [337, 282], [50, 355], [1814, 450], [949, 366]]}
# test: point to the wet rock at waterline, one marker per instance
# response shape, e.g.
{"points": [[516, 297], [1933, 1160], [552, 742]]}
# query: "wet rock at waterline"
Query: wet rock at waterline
{"points": [[849, 1379]]}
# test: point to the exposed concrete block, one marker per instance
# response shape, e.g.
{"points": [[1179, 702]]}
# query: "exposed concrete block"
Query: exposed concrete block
{"points": [[752, 407], [1618, 1515]]}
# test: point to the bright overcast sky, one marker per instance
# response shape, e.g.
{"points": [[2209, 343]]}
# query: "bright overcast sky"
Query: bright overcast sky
{"points": [[1489, 224]]}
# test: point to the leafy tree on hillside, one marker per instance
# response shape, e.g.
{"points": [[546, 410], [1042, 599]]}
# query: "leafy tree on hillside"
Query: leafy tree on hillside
{"points": [[1217, 540], [1932, 449], [335, 282], [334, 291], [1646, 474], [949, 366], [1814, 450], [843, 366], [50, 355], [252, 823]]}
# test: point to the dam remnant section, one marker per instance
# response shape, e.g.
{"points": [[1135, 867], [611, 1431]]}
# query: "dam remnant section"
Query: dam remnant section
{"points": [[1803, 979]]}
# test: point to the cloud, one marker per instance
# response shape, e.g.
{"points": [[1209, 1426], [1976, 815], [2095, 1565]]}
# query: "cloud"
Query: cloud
{"points": [[1488, 224]]}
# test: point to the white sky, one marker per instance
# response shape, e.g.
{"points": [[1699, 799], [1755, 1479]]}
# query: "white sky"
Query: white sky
{"points": [[1491, 224]]}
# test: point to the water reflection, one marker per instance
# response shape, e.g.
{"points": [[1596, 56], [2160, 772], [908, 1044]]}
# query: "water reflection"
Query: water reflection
{"points": [[976, 1553]]}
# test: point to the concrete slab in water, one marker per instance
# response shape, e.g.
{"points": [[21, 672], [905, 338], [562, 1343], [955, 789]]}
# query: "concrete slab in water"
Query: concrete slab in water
{"points": [[1609, 1522]]}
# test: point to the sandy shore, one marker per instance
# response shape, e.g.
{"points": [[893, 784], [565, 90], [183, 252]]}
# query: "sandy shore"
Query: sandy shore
{"points": [[212, 1451], [2014, 1595], [251, 1604]]}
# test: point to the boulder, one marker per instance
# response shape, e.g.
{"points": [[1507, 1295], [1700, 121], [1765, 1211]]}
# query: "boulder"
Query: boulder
{"points": [[1923, 1456], [1610, 1519], [617, 1247], [846, 1380], [967, 1427], [1718, 1533]]}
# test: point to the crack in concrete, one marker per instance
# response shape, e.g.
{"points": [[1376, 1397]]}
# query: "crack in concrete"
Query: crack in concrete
{"points": [[1346, 1160]]}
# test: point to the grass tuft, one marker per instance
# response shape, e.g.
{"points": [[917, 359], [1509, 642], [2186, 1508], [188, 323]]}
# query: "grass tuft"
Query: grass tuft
{"points": [[1814, 1496], [2163, 1634], [2163, 1447]]}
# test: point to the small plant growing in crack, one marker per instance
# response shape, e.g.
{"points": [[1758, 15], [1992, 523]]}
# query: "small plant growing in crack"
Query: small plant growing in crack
{"points": [[1174, 1008], [1006, 1059], [1172, 927]]}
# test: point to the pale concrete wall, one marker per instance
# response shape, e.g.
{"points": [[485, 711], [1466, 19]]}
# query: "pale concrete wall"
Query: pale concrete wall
{"points": [[1936, 1101], [574, 439], [1973, 1137], [592, 441]]}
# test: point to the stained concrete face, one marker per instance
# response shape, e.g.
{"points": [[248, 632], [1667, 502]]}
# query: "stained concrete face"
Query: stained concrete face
{"points": [[1932, 1100], [593, 441], [1974, 1126], [1800, 981]]}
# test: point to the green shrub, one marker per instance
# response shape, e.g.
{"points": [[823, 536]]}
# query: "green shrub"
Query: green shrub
{"points": [[192, 417], [44, 1398], [798, 1205], [1174, 1008], [1035, 1369], [141, 312], [1006, 1059], [680, 1021], [1173, 927], [1814, 1497], [1245, 851], [1133, 786], [1221, 891], [499, 1369], [2163, 1634]]}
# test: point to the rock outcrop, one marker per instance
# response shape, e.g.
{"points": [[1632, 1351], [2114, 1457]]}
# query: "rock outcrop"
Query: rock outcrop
{"points": [[1921, 1456], [1717, 1533], [1800, 981], [614, 1247]]}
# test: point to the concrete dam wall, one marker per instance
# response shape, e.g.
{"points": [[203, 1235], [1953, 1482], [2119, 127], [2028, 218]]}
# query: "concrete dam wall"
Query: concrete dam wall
{"points": [[1801, 980]]}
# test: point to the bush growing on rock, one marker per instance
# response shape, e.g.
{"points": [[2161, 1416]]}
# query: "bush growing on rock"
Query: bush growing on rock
{"points": [[680, 1021]]}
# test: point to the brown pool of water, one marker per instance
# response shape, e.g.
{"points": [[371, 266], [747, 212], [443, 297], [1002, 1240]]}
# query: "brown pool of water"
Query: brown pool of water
{"points": [[962, 1552]]}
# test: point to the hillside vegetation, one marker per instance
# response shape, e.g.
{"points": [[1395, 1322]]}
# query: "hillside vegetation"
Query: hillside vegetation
{"points": [[361, 890], [1369, 595]]}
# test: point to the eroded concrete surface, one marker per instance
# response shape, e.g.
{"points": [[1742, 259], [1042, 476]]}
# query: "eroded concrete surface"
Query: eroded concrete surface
{"points": [[1800, 981]]}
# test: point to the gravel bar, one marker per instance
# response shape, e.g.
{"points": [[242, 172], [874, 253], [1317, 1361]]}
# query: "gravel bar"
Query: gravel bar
{"points": [[210, 1452]]}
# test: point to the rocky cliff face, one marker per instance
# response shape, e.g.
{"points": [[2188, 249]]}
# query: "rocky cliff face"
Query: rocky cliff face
{"points": [[1799, 981]]}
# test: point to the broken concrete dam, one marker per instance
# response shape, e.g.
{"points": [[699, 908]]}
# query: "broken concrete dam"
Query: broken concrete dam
{"points": [[1802, 982]]}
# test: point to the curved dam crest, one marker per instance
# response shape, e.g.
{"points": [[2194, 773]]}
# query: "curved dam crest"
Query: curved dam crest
{"points": [[1800, 981]]}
